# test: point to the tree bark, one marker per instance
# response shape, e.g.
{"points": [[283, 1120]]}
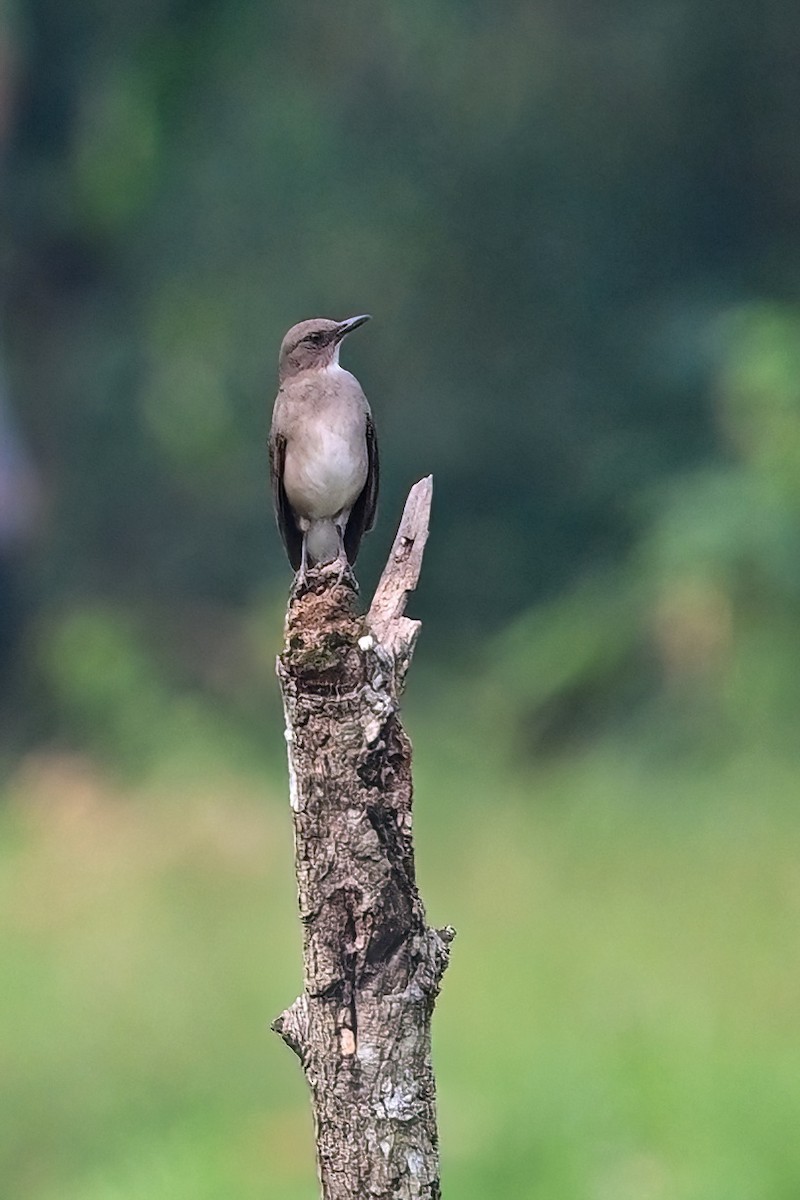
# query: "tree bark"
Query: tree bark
{"points": [[372, 966]]}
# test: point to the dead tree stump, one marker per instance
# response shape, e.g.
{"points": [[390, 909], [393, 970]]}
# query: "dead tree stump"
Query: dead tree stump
{"points": [[372, 965]]}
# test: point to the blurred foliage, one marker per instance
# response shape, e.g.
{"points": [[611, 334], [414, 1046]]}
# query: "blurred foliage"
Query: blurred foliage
{"points": [[698, 630], [619, 1020], [548, 210], [118, 706], [576, 227]]}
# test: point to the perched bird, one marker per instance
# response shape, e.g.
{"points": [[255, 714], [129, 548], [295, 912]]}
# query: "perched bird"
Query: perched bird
{"points": [[323, 454]]}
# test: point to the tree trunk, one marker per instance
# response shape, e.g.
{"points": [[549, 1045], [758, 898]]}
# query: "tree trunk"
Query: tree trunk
{"points": [[372, 966]]}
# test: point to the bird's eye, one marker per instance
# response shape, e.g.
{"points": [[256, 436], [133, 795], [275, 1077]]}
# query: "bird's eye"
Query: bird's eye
{"points": [[315, 338]]}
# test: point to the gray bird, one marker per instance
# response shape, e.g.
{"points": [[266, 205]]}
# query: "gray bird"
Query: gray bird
{"points": [[323, 454]]}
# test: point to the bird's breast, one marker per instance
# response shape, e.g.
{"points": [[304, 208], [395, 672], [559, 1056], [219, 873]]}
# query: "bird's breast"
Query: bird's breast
{"points": [[325, 467]]}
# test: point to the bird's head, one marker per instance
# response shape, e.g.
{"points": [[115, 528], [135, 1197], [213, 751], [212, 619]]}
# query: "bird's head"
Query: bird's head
{"points": [[314, 345]]}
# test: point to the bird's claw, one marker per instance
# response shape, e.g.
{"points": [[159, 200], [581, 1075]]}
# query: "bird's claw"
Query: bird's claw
{"points": [[299, 584], [305, 579]]}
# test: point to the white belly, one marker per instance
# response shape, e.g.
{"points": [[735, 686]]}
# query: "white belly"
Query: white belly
{"points": [[327, 474]]}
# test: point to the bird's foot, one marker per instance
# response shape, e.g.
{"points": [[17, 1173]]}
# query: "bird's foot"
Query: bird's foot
{"points": [[318, 577], [340, 571], [344, 573], [344, 568], [299, 584]]}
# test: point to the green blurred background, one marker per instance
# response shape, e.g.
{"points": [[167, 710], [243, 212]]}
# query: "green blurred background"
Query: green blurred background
{"points": [[576, 226]]}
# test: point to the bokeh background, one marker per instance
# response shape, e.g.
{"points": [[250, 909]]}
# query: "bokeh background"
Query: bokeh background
{"points": [[576, 226]]}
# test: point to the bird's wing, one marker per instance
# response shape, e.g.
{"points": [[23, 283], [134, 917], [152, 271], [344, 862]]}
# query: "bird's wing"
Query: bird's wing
{"points": [[287, 526], [362, 514]]}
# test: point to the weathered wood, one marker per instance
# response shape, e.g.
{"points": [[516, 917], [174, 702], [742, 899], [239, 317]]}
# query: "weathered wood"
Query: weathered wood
{"points": [[372, 965], [396, 632]]}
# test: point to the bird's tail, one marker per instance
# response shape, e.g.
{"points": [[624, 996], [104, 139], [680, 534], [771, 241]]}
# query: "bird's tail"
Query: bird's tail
{"points": [[322, 541]]}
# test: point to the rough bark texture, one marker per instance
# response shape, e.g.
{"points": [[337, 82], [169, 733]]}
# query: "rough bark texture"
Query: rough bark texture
{"points": [[372, 965]]}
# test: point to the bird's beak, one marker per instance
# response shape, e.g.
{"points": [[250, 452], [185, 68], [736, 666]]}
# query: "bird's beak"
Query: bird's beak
{"points": [[349, 325]]}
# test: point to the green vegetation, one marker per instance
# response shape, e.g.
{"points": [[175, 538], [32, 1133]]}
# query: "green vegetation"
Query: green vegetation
{"points": [[553, 216], [577, 229], [619, 1019]]}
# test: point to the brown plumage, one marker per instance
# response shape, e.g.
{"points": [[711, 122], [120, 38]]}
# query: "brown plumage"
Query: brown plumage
{"points": [[323, 453]]}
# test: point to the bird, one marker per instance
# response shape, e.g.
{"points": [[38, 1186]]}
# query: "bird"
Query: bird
{"points": [[323, 450]]}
